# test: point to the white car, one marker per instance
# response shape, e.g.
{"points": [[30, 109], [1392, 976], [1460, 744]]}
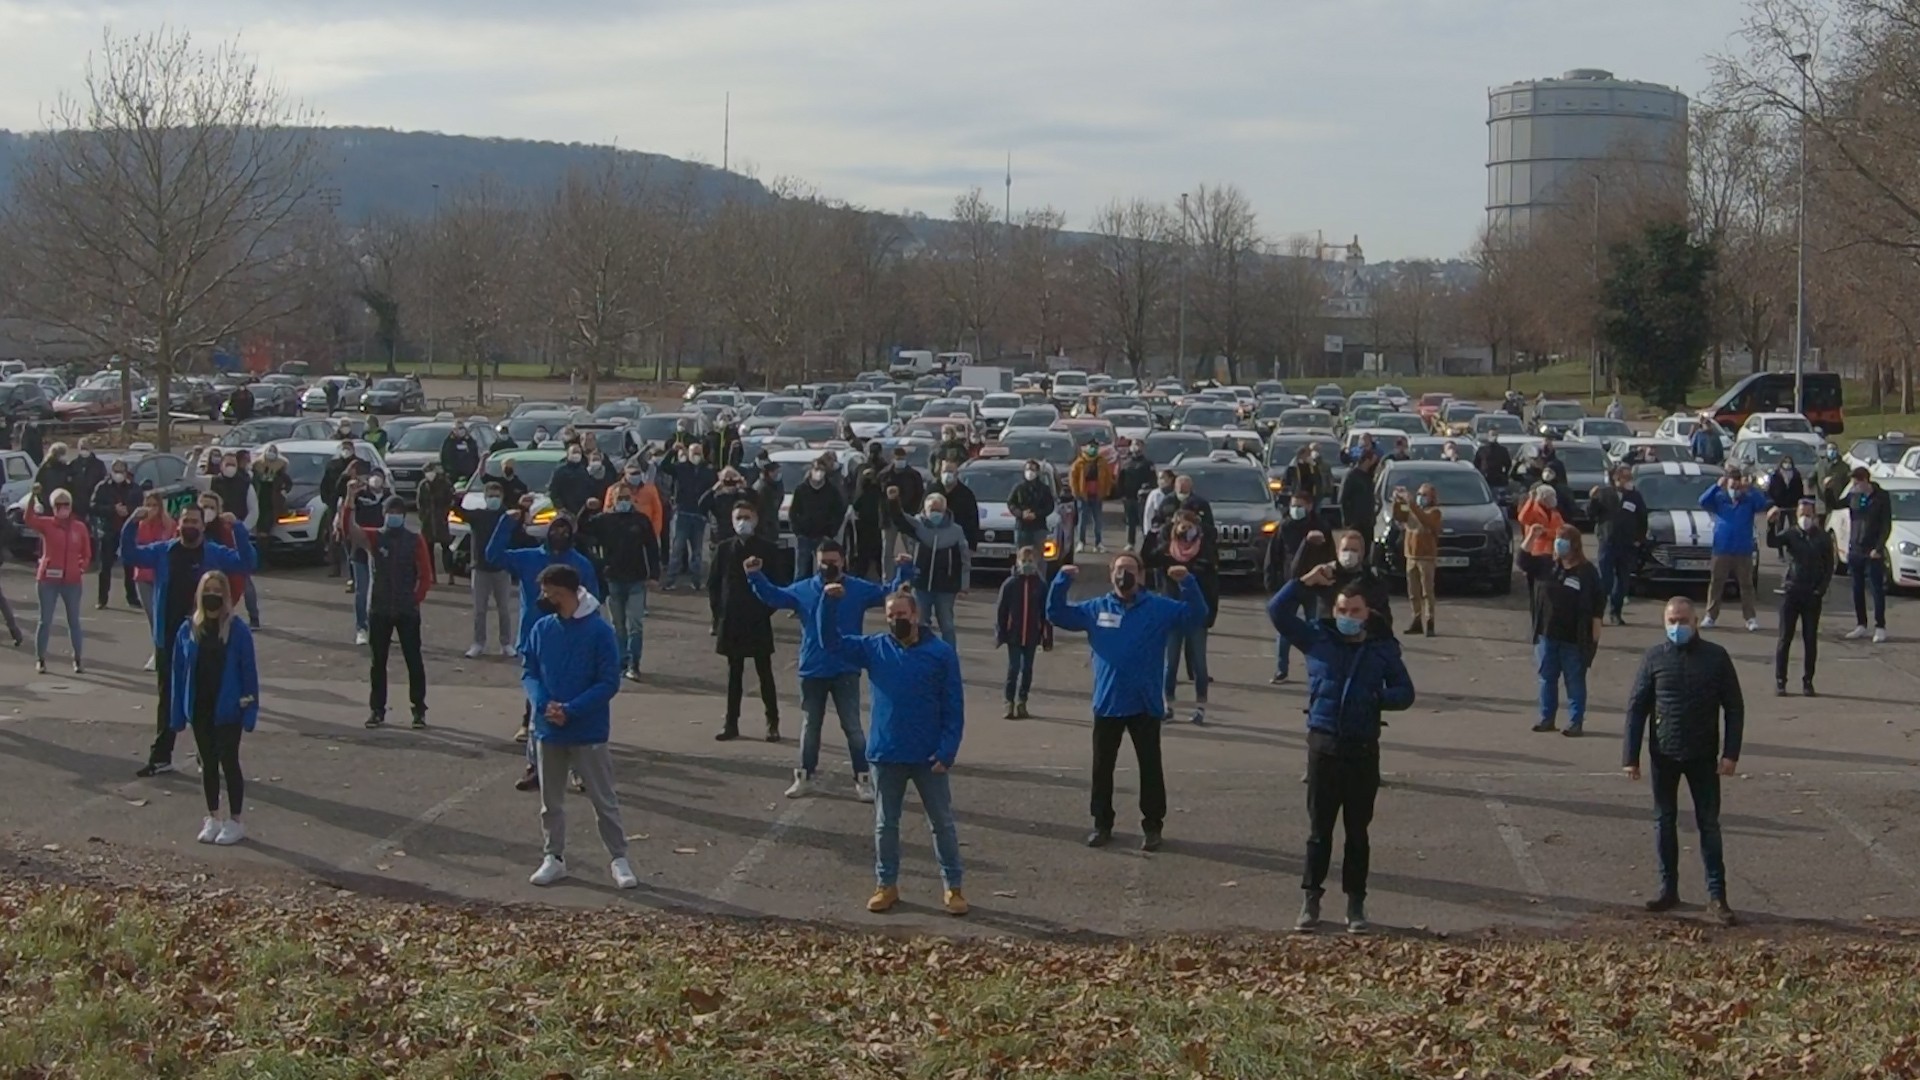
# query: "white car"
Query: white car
{"points": [[1028, 417], [1129, 423], [1599, 429], [794, 466], [993, 480], [1682, 426], [1907, 468], [1780, 425], [869, 420], [995, 409], [315, 397], [299, 528], [1383, 441], [1903, 545], [1645, 450], [1879, 456]]}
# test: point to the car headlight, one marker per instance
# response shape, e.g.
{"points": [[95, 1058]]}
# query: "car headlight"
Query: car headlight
{"points": [[1270, 528], [298, 517], [545, 516], [1908, 547], [1050, 549]]}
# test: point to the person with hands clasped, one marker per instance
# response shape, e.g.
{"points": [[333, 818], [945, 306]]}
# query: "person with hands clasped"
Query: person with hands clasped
{"points": [[1685, 687], [216, 692], [1567, 605], [919, 714], [1419, 517], [1733, 502], [66, 551], [1811, 560], [524, 565]]}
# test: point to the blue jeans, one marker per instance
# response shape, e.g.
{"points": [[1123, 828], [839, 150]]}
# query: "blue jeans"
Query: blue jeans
{"points": [[804, 550], [936, 797], [362, 585], [845, 691], [689, 548], [1616, 573], [253, 602], [1034, 536], [1282, 656], [63, 592], [1089, 514], [1703, 783], [1556, 660], [627, 610], [1865, 572], [1019, 671], [1193, 643], [939, 605]]}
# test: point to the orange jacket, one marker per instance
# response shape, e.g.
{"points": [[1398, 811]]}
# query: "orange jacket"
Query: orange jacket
{"points": [[646, 500], [1091, 477], [1532, 513]]}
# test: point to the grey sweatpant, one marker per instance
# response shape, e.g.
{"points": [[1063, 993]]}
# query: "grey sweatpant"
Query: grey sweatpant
{"points": [[593, 763], [495, 586], [1737, 569]]}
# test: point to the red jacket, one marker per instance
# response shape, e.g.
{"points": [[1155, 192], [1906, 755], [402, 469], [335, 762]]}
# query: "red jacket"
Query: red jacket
{"points": [[155, 528], [220, 532], [66, 547]]}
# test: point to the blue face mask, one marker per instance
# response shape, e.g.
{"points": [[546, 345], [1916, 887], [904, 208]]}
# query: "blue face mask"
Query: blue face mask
{"points": [[493, 502], [1348, 625], [1562, 548], [1298, 513], [1680, 633], [936, 518], [396, 521], [622, 505]]}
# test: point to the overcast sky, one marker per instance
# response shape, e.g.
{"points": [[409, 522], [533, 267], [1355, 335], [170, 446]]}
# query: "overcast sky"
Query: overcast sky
{"points": [[1341, 116]]}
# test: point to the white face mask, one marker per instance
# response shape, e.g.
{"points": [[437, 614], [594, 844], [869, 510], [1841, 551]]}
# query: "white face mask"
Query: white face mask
{"points": [[1808, 524], [1349, 560], [743, 524], [1033, 474]]}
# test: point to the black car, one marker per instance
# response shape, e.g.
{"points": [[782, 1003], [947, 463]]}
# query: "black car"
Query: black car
{"points": [[1281, 451], [1243, 510], [393, 397], [24, 401], [1555, 418], [1476, 539], [269, 399], [1679, 549]]}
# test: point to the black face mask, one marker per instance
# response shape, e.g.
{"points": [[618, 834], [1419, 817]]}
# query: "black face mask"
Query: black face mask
{"points": [[829, 572], [212, 604], [190, 535], [544, 606], [901, 628], [1124, 581], [559, 539]]}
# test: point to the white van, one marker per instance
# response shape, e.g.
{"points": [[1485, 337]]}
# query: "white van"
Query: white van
{"points": [[911, 362], [952, 361]]}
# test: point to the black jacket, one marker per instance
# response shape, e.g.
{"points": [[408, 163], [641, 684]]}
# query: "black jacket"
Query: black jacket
{"points": [[1811, 560], [1035, 495], [109, 500], [1869, 522], [767, 497], [965, 509], [54, 476], [572, 486], [628, 544], [1495, 463], [1685, 690], [1785, 492], [460, 456], [1205, 567], [817, 512], [1136, 476], [1372, 586], [1021, 618], [1309, 479], [88, 472], [744, 624], [1356, 502], [718, 504], [913, 487], [480, 526], [1284, 544], [1615, 525], [333, 480], [1552, 588]]}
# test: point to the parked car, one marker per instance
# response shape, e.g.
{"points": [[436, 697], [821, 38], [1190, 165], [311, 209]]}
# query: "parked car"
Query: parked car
{"points": [[164, 474], [88, 404], [1780, 425], [297, 532], [260, 432], [1903, 544], [351, 387], [624, 409], [412, 450], [1243, 509], [1598, 429], [24, 401], [392, 397], [1878, 456], [1555, 418], [1679, 551]]}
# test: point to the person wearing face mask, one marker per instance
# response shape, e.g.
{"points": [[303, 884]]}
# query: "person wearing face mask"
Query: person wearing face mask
{"points": [[1020, 624], [1185, 498], [638, 475], [1615, 410], [1686, 686], [88, 472], [1155, 510], [1831, 478], [1542, 508], [1620, 528], [364, 508], [726, 496], [629, 560], [1306, 475], [156, 527], [1869, 527], [1184, 543], [819, 508], [1785, 489], [114, 501], [1811, 561], [460, 452], [823, 674], [1346, 551], [1419, 521], [524, 565], [1031, 503], [1494, 462], [178, 563], [1091, 479], [272, 483], [901, 476], [914, 730], [1132, 483], [1304, 525], [742, 625], [55, 474], [961, 502], [1567, 605], [941, 557], [400, 571], [433, 500], [376, 435], [692, 478], [333, 490], [1127, 632], [572, 484], [66, 550], [768, 493], [869, 517], [1733, 502], [220, 531], [216, 692], [489, 582], [1358, 509], [1450, 452], [235, 487], [1355, 672]]}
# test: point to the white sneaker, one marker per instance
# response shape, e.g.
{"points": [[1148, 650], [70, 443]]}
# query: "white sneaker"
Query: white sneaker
{"points": [[551, 870], [359, 637], [209, 829], [509, 651], [802, 784], [474, 651], [148, 666], [623, 877], [1752, 625], [1706, 623], [1880, 635], [231, 833], [863, 788], [1857, 632]]}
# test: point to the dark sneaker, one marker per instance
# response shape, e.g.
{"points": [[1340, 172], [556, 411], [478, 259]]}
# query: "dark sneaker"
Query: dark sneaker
{"points": [[1151, 841], [154, 768], [1432, 627], [727, 734], [1573, 731], [773, 732], [1415, 628], [420, 720], [1020, 711], [1357, 915], [1100, 838], [1666, 901], [1719, 912], [1806, 689], [377, 718], [529, 781], [1009, 715], [1309, 919], [1544, 726], [1277, 680]]}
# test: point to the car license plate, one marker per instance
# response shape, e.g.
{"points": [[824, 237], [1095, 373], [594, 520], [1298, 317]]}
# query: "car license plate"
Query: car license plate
{"points": [[1451, 561], [1229, 553], [996, 551], [1693, 564]]}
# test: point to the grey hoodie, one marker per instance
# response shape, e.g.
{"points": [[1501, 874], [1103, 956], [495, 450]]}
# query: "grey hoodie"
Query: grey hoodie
{"points": [[940, 553]]}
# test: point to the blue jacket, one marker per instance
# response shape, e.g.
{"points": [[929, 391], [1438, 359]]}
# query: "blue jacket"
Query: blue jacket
{"points": [[1129, 641], [525, 565], [238, 559], [1348, 683], [575, 662], [1733, 518], [239, 701], [804, 597], [919, 702]]}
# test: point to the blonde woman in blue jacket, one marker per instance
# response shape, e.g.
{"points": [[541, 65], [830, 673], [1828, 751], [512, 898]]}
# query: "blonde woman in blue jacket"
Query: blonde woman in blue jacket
{"points": [[216, 692]]}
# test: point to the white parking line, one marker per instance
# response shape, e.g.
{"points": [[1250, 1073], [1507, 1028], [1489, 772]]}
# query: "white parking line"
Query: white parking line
{"points": [[378, 852], [788, 817], [1517, 845], [1877, 851]]}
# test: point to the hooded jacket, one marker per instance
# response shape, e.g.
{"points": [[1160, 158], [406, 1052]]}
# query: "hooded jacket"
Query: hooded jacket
{"points": [[941, 555], [805, 597], [1349, 684], [919, 702], [66, 546], [525, 565], [1135, 479], [1733, 518], [575, 662], [1091, 476], [238, 559], [1128, 641], [239, 698]]}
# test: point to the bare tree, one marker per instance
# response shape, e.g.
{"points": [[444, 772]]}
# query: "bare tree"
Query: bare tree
{"points": [[767, 276], [1293, 292], [1132, 267], [478, 249], [153, 217], [1225, 246], [971, 266], [1410, 309], [382, 248], [1491, 308], [1041, 294], [599, 259]]}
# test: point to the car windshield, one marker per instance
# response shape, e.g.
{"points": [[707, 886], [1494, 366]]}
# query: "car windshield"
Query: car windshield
{"points": [[1659, 452], [522, 428], [1605, 427], [536, 473], [1055, 447], [622, 410], [92, 393], [1561, 410], [1460, 414], [1406, 422], [1769, 452], [1434, 451], [395, 385], [1581, 459], [936, 409], [423, 437], [1392, 391], [1500, 422], [1033, 417], [919, 453], [1284, 449], [992, 485], [1002, 401], [1906, 504], [867, 414], [810, 428], [1659, 491], [1455, 487], [1306, 418], [780, 407], [1096, 434], [305, 469], [1164, 446], [658, 427], [1365, 415], [1210, 416], [1070, 378], [1220, 486], [1433, 400], [255, 432], [1881, 450], [1788, 425]]}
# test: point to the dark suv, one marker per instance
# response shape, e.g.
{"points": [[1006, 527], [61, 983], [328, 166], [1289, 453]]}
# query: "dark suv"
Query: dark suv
{"points": [[1243, 510], [1476, 540]]}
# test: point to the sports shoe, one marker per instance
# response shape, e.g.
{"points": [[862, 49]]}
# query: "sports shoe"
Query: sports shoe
{"points": [[551, 870], [232, 832], [1752, 625], [802, 784], [148, 666], [154, 768], [1008, 715], [475, 650], [1151, 841], [509, 651], [1719, 912], [1879, 635], [1199, 715], [1779, 689], [1572, 731], [1857, 632], [1433, 627], [1416, 627], [1806, 688], [419, 719], [631, 674], [1100, 838], [1277, 680], [1309, 919], [863, 788], [377, 718], [1666, 901], [1357, 915], [78, 669], [40, 665], [1545, 726], [955, 903], [623, 876], [359, 637], [529, 781], [883, 899], [209, 829], [520, 736], [575, 784], [1706, 623]]}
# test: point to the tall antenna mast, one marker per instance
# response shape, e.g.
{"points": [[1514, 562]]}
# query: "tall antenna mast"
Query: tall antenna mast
{"points": [[726, 133], [1009, 189]]}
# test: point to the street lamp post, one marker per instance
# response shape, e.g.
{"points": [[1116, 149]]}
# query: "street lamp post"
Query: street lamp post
{"points": [[1802, 61]]}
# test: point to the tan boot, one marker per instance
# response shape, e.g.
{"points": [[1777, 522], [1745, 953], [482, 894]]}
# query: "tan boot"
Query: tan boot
{"points": [[956, 903], [883, 899]]}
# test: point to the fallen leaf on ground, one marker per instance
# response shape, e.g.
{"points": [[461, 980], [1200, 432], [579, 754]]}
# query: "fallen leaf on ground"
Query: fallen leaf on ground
{"points": [[686, 851]]}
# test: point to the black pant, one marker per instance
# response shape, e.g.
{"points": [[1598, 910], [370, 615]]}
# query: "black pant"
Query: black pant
{"points": [[161, 753], [736, 686], [106, 548], [1703, 782], [1145, 733], [380, 631], [219, 746], [1337, 785], [1804, 609]]}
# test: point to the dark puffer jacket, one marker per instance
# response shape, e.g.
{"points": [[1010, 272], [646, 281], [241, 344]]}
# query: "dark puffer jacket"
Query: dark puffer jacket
{"points": [[1349, 683], [1684, 689]]}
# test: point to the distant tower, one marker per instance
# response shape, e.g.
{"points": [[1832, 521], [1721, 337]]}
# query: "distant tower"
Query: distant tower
{"points": [[1542, 133], [1009, 189]]}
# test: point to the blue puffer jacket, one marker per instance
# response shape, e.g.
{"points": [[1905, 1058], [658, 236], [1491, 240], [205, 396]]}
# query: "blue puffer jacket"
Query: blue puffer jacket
{"points": [[525, 565], [1349, 683], [919, 703], [575, 662], [1733, 518], [239, 700]]}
